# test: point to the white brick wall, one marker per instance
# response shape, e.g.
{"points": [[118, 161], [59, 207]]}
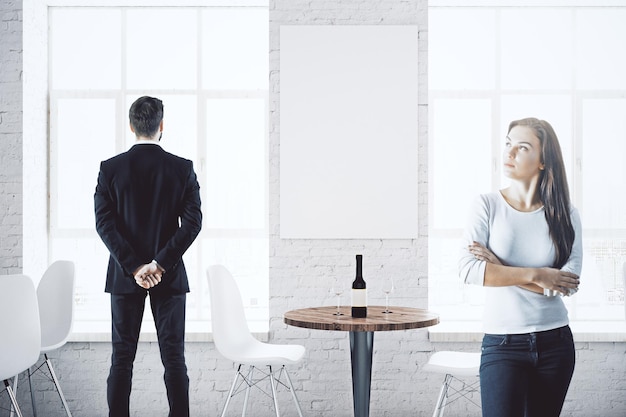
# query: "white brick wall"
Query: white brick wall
{"points": [[299, 276], [10, 137]]}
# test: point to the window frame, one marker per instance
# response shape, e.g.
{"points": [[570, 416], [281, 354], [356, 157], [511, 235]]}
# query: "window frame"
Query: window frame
{"points": [[39, 146], [577, 99]]}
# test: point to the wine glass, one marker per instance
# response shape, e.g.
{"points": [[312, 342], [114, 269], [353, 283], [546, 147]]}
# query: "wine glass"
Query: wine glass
{"points": [[337, 289], [387, 289]]}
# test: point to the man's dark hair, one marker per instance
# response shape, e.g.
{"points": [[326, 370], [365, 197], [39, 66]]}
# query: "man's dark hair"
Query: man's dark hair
{"points": [[145, 116]]}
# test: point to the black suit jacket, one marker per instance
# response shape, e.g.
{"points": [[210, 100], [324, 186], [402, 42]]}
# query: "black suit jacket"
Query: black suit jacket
{"points": [[147, 205]]}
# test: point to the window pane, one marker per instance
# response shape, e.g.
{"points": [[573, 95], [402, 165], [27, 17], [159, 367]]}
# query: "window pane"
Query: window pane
{"points": [[85, 47], [536, 48], [603, 169], [235, 47], [180, 132], [603, 277], [197, 278], [461, 49], [88, 255], [161, 48], [85, 136], [447, 293], [236, 174], [461, 140], [600, 46], [555, 109]]}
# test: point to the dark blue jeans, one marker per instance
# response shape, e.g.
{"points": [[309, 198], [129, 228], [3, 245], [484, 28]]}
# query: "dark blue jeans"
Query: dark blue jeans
{"points": [[526, 375], [168, 311]]}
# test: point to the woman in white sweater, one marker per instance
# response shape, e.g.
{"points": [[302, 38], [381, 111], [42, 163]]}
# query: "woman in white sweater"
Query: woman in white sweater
{"points": [[521, 243]]}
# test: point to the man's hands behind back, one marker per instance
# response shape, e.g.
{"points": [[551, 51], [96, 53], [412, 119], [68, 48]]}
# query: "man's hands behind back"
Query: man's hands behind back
{"points": [[148, 275]]}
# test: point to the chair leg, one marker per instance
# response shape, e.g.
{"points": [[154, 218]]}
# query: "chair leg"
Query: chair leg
{"points": [[248, 386], [274, 392], [274, 381], [443, 397], [13, 399], [293, 392], [57, 385], [32, 393], [232, 389], [12, 409]]}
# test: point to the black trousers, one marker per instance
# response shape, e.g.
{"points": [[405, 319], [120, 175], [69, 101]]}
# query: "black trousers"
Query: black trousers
{"points": [[169, 317]]}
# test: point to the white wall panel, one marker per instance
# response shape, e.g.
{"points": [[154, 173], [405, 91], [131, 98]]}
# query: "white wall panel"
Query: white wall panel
{"points": [[348, 123]]}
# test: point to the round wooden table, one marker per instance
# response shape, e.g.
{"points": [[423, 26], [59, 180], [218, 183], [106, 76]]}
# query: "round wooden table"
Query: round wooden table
{"points": [[361, 337]]}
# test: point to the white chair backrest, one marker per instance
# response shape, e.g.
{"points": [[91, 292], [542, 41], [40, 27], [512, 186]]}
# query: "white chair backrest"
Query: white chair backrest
{"points": [[230, 328], [19, 325], [55, 293]]}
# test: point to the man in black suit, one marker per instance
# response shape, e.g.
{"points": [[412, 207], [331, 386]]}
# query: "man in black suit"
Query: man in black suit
{"points": [[147, 206]]}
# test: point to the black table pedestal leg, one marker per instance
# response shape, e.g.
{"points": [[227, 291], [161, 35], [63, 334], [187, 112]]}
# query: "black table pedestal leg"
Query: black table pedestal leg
{"points": [[361, 349]]}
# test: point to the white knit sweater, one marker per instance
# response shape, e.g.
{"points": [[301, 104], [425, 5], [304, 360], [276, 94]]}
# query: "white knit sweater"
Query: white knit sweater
{"points": [[517, 239]]}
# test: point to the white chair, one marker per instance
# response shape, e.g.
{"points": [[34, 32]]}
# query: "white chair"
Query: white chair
{"points": [[55, 294], [453, 365], [234, 341], [19, 327]]}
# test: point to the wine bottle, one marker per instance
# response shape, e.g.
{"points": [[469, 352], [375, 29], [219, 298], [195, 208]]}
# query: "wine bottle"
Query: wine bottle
{"points": [[359, 291]]}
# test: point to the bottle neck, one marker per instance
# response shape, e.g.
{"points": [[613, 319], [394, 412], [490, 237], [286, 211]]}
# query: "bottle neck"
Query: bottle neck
{"points": [[359, 282], [359, 266]]}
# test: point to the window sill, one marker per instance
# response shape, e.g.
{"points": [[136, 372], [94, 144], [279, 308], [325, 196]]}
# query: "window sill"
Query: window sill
{"points": [[584, 331]]}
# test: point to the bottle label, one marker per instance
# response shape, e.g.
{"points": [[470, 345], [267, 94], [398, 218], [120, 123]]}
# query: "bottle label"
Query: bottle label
{"points": [[359, 298]]}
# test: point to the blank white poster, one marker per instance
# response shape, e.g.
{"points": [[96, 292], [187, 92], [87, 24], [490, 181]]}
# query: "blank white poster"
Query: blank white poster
{"points": [[348, 132]]}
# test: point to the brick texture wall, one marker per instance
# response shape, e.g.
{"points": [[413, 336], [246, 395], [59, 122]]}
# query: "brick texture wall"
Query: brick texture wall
{"points": [[10, 137], [299, 276]]}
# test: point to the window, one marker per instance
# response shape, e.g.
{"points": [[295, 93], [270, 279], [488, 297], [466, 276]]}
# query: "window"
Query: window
{"points": [[489, 65], [209, 65]]}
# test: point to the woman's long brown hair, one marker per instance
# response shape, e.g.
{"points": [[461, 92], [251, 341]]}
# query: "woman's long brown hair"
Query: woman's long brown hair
{"points": [[553, 189]]}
